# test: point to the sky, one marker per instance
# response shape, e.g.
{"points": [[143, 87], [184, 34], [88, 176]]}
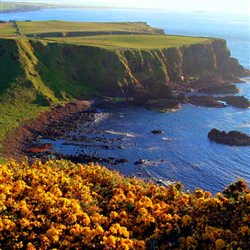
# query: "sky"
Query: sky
{"points": [[195, 5]]}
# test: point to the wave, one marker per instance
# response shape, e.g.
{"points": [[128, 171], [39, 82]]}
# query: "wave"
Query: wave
{"points": [[121, 133], [98, 117], [167, 139]]}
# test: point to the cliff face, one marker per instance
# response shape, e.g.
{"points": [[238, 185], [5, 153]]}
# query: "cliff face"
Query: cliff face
{"points": [[62, 71], [187, 66]]}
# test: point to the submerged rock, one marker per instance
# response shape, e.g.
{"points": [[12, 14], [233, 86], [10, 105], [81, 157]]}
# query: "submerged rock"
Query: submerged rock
{"points": [[233, 138]]}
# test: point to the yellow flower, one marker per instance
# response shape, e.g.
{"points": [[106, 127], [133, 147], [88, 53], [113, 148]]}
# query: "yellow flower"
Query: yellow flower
{"points": [[248, 197], [109, 241], [74, 203], [191, 242], [84, 219], [131, 195], [8, 224], [123, 214], [220, 244], [24, 223], [99, 230], [143, 211], [166, 217], [244, 230], [53, 234], [30, 246], [113, 215], [56, 190], [186, 220]]}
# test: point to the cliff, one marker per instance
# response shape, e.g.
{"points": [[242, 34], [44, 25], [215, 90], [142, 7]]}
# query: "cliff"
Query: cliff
{"points": [[37, 74], [62, 71]]}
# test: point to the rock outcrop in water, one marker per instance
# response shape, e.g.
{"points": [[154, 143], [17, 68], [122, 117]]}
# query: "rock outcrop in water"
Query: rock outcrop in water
{"points": [[233, 138], [236, 101], [207, 101], [219, 102]]}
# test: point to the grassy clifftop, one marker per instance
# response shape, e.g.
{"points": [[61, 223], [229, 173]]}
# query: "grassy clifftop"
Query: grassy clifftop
{"points": [[47, 29], [40, 72], [134, 41]]}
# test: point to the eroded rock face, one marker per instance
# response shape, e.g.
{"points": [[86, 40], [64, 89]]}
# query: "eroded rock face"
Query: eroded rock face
{"points": [[233, 138]]}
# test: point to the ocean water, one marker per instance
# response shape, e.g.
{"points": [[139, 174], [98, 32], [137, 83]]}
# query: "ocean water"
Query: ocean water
{"points": [[183, 152]]}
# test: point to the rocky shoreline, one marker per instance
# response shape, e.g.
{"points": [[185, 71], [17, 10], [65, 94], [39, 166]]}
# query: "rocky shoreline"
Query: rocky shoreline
{"points": [[200, 93], [55, 123], [25, 141], [50, 124]]}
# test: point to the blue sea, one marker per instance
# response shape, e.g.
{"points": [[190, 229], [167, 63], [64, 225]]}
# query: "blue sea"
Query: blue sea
{"points": [[183, 151]]}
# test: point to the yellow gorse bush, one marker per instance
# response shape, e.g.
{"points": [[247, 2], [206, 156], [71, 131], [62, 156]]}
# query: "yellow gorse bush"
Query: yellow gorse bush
{"points": [[60, 205]]}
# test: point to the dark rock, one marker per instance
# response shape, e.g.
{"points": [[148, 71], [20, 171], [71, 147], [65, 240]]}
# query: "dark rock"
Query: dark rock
{"points": [[142, 162], [236, 101], [207, 101], [163, 105], [82, 158], [155, 93], [182, 98], [139, 162], [157, 131], [233, 138], [119, 161]]}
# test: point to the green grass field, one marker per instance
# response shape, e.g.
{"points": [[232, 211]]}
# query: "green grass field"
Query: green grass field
{"points": [[132, 41], [135, 35], [28, 28], [7, 29]]}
